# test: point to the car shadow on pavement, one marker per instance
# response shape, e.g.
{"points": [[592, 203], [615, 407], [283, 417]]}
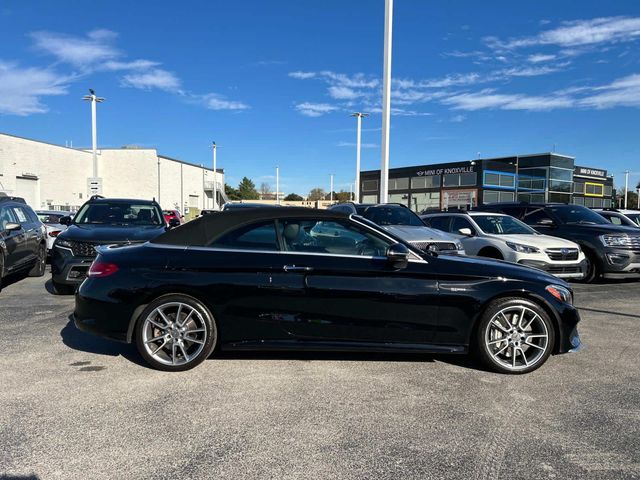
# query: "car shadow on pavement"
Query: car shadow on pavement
{"points": [[83, 342], [465, 361], [13, 278]]}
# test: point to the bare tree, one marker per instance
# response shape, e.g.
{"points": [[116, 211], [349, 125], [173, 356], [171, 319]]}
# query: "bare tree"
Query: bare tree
{"points": [[265, 188]]}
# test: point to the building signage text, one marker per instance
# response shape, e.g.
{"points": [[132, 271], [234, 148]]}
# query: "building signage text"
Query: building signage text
{"points": [[444, 171], [590, 172]]}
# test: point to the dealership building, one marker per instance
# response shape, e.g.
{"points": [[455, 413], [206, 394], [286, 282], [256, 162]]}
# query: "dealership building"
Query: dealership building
{"points": [[544, 177], [56, 177]]}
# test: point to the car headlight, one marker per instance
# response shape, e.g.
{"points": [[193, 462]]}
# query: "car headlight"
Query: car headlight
{"points": [[561, 293], [61, 242], [518, 247], [617, 240]]}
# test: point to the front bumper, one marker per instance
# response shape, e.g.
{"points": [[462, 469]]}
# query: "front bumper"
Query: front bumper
{"points": [[621, 263], [569, 338], [570, 270], [68, 269]]}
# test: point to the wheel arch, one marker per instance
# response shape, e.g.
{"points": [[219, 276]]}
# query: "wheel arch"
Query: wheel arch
{"points": [[491, 249], [193, 293], [532, 297]]}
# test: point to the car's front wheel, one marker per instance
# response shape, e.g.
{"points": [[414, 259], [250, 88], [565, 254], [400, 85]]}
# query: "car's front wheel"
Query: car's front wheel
{"points": [[515, 335], [175, 332]]}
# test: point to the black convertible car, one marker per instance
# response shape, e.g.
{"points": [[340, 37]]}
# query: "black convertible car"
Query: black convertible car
{"points": [[273, 278]]}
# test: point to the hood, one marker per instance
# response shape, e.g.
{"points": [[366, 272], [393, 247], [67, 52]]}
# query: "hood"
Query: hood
{"points": [[419, 234], [540, 241], [601, 229], [111, 233], [485, 267]]}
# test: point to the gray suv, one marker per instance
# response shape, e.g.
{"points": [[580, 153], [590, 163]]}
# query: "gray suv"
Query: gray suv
{"points": [[402, 222]]}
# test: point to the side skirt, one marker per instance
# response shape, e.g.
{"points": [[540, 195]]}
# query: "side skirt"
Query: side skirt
{"points": [[336, 346]]}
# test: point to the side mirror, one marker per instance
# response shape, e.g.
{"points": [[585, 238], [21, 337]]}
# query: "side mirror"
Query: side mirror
{"points": [[174, 222], [398, 255], [12, 227], [66, 220], [466, 231]]}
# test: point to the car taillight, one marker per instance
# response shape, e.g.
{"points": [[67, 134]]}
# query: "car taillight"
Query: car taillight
{"points": [[55, 233], [102, 269]]}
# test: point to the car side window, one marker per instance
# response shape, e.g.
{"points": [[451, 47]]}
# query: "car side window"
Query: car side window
{"points": [[440, 223], [21, 215], [330, 237], [459, 222], [261, 236], [6, 217], [536, 216]]}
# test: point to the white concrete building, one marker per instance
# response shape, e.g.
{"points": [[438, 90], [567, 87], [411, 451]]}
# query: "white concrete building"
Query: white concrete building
{"points": [[56, 177]]}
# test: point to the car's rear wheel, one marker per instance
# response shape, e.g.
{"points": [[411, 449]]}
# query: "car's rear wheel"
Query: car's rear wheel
{"points": [[515, 335], [176, 332], [40, 266]]}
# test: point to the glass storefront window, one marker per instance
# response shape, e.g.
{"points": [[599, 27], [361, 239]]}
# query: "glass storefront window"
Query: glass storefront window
{"points": [[432, 181], [459, 179], [526, 182], [608, 190], [452, 199], [560, 174], [491, 179], [593, 189], [399, 183], [559, 198], [425, 201], [402, 198], [531, 197], [369, 199], [578, 187], [499, 180], [558, 186], [507, 180], [370, 186], [578, 200], [493, 196]]}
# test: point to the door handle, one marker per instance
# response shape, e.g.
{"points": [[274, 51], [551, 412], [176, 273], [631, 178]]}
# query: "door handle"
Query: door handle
{"points": [[294, 268]]}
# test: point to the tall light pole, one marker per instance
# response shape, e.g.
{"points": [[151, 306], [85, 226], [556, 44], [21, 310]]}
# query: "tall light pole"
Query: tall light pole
{"points": [[94, 130], [386, 101], [626, 188], [215, 175], [359, 116], [277, 184], [331, 187]]}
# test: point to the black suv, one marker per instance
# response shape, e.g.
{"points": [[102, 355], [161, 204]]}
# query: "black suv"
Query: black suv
{"points": [[612, 251], [100, 221], [23, 244]]}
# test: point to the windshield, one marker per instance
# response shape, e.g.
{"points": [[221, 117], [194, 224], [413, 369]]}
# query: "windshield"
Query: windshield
{"points": [[574, 214], [393, 216], [634, 217], [502, 225], [119, 213]]}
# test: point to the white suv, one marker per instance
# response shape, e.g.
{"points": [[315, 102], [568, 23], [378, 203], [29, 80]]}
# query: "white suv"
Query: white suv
{"points": [[500, 236]]}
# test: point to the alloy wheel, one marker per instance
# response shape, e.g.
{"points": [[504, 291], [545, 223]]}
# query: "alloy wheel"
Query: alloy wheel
{"points": [[174, 333], [517, 338]]}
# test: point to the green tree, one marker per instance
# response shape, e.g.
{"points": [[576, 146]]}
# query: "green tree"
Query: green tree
{"points": [[342, 196], [247, 190], [231, 192], [293, 197], [316, 194]]}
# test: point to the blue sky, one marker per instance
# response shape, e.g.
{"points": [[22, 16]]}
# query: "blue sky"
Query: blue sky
{"points": [[274, 82]]}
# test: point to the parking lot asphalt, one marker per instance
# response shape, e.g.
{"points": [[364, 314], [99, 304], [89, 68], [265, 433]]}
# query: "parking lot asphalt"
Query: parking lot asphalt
{"points": [[75, 406]]}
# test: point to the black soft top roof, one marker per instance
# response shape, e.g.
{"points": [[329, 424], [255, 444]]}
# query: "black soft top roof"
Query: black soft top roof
{"points": [[207, 228]]}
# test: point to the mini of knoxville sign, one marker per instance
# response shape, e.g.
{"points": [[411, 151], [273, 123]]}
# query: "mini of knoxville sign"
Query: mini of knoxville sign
{"points": [[444, 171]]}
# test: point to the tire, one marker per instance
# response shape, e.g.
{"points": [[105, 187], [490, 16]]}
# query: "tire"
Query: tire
{"points": [[1, 269], [593, 272], [490, 253], [175, 346], [62, 289], [41, 262], [507, 344]]}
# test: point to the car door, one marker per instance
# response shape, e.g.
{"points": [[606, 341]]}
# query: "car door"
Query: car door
{"points": [[242, 278], [472, 244], [30, 234], [352, 293], [12, 239]]}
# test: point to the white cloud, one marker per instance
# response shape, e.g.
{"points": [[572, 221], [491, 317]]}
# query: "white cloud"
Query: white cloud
{"points": [[302, 75], [22, 88], [81, 52], [115, 65], [218, 102], [623, 92], [315, 109], [531, 71], [156, 78], [458, 118], [540, 57], [578, 33], [344, 93], [488, 99]]}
